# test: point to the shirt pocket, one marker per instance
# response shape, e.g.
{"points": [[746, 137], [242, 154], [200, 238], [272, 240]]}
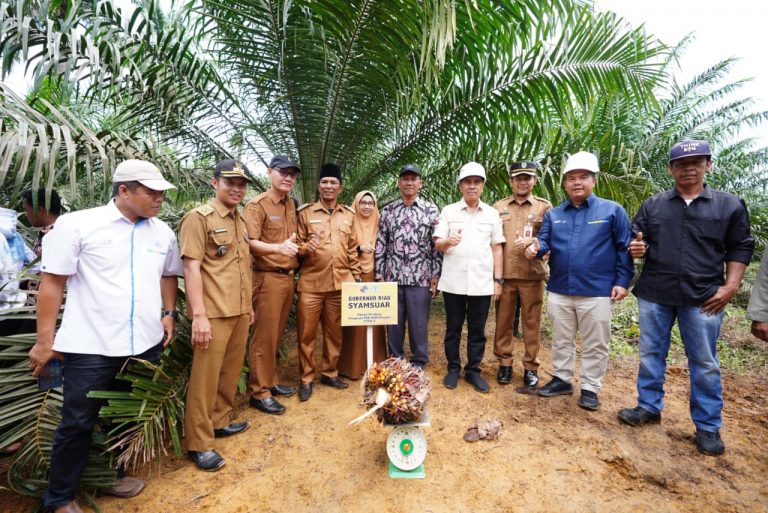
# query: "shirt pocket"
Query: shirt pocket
{"points": [[318, 228], [272, 231], [485, 232], [344, 233], [709, 229], [222, 241]]}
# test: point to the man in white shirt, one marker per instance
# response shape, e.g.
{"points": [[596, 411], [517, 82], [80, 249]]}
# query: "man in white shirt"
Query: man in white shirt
{"points": [[120, 266], [469, 233]]}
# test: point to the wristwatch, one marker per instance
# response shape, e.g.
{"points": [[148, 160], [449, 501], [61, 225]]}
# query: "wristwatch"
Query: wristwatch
{"points": [[500, 281], [172, 313]]}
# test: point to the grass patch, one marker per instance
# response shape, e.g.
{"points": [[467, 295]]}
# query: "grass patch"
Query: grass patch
{"points": [[737, 350]]}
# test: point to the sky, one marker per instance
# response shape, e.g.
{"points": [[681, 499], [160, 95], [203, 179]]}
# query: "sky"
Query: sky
{"points": [[722, 29]]}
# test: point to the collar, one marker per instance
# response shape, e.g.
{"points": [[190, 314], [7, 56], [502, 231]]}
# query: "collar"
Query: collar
{"points": [[706, 192], [283, 200], [528, 199], [222, 210], [319, 206], [113, 214], [416, 203], [463, 205], [588, 202]]}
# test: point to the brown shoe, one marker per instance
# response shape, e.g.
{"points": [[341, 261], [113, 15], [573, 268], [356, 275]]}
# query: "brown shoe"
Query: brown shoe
{"points": [[124, 487], [70, 507]]}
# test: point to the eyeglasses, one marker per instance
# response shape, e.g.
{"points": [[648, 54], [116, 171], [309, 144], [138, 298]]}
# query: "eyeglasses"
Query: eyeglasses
{"points": [[285, 173], [367, 203]]}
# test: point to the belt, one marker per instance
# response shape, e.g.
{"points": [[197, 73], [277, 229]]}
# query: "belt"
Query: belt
{"points": [[280, 271]]}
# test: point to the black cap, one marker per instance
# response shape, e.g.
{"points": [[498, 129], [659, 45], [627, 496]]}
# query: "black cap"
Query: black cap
{"points": [[410, 168], [283, 162], [523, 167], [330, 171], [231, 168]]}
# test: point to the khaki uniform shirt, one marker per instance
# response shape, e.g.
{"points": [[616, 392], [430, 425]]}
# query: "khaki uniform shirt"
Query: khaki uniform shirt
{"points": [[227, 276], [513, 216], [335, 261], [273, 222]]}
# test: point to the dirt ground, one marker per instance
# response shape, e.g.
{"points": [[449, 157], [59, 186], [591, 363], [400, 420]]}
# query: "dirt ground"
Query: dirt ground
{"points": [[552, 456]]}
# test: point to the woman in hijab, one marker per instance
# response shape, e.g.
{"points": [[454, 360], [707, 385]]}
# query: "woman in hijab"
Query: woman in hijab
{"points": [[352, 360]]}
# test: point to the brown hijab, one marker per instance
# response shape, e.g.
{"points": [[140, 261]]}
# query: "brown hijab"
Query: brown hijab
{"points": [[366, 229]]}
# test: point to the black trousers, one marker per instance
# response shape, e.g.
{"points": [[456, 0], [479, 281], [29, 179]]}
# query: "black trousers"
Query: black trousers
{"points": [[475, 310], [72, 442]]}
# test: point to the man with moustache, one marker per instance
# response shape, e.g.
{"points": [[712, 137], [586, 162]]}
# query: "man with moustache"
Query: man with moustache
{"points": [[217, 276], [521, 217], [328, 254], [587, 238], [119, 265], [406, 254], [687, 235], [470, 236], [270, 219]]}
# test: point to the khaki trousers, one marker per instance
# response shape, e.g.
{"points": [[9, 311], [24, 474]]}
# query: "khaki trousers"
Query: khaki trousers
{"points": [[591, 316], [314, 307], [213, 381], [531, 300], [272, 298]]}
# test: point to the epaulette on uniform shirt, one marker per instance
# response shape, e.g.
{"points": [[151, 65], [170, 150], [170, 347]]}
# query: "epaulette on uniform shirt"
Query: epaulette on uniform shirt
{"points": [[305, 205], [349, 208], [260, 197], [205, 210]]}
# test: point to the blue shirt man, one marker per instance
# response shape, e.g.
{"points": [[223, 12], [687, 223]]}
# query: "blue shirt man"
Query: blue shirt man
{"points": [[587, 239]]}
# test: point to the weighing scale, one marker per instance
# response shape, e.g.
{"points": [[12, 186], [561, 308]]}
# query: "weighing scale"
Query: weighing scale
{"points": [[407, 448]]}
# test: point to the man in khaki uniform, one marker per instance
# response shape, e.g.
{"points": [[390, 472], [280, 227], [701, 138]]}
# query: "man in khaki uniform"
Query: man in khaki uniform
{"points": [[217, 275], [270, 219], [328, 252], [521, 216]]}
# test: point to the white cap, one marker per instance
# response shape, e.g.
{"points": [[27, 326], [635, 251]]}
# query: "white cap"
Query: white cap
{"points": [[146, 173], [471, 169], [582, 160]]}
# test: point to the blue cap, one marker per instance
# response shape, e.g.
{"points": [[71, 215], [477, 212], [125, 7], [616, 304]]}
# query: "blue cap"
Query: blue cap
{"points": [[689, 149]]}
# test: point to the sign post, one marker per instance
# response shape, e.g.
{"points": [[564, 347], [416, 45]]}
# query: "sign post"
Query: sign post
{"points": [[368, 304], [374, 304]]}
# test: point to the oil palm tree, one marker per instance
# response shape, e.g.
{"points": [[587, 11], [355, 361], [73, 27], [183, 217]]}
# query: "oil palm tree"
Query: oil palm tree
{"points": [[368, 84]]}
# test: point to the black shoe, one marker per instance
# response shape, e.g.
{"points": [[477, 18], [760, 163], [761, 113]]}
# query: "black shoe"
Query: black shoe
{"points": [[504, 377], [210, 461], [530, 378], [336, 382], [709, 442], [556, 387], [477, 381], [638, 416], [232, 429], [269, 405], [305, 391], [588, 400], [282, 391], [451, 380]]}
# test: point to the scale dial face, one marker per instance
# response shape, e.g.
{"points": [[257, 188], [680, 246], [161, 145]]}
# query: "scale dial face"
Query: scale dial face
{"points": [[407, 447]]}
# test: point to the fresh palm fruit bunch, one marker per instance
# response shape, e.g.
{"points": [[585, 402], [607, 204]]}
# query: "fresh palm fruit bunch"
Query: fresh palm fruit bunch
{"points": [[396, 390]]}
